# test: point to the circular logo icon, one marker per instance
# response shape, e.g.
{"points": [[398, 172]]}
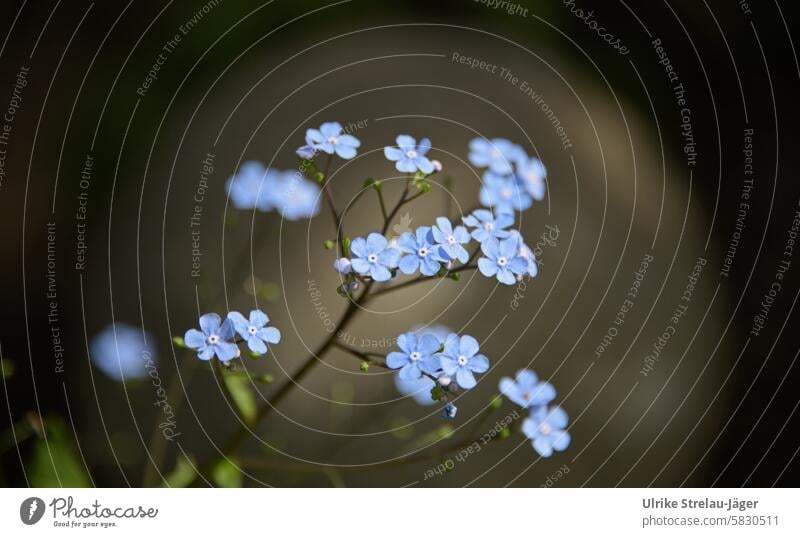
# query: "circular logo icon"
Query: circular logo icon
{"points": [[31, 510]]}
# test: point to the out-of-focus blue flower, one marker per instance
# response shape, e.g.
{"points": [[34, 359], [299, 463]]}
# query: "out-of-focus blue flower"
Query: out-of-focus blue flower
{"points": [[254, 330], [410, 157], [526, 253], [294, 196], [502, 260], [460, 358], [451, 239], [248, 189], [343, 266], [330, 139], [497, 154], [531, 174], [449, 411], [374, 257], [503, 194], [546, 429], [307, 151], [486, 225], [526, 390], [423, 254], [419, 389], [120, 353], [417, 355], [215, 338]]}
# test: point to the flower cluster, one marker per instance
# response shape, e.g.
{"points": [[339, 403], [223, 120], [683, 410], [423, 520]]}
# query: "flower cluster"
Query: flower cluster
{"points": [[218, 338], [288, 192], [545, 426], [447, 361], [512, 180]]}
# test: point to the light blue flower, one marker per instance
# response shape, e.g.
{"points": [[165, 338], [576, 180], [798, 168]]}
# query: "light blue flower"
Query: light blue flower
{"points": [[410, 157], [451, 239], [502, 260], [119, 351], [330, 139], [546, 429], [215, 338], [460, 358], [486, 225], [306, 152], [343, 266], [417, 356], [449, 411], [531, 174], [293, 196], [248, 188], [374, 257], [526, 253], [419, 389], [254, 330], [497, 154], [503, 194], [423, 254], [526, 390]]}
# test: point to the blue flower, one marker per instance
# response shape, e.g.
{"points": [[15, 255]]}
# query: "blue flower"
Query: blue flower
{"points": [[417, 355], [329, 138], [546, 429], [486, 225], [503, 194], [498, 154], [374, 257], [248, 188], [419, 389], [214, 338], [423, 253], [460, 358], [527, 391], [502, 260], [343, 266], [119, 351], [410, 157], [254, 330], [526, 254], [451, 239], [531, 174], [294, 196], [449, 411]]}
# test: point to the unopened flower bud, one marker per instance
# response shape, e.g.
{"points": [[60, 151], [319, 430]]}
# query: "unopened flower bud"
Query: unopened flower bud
{"points": [[437, 165], [444, 381], [342, 266]]}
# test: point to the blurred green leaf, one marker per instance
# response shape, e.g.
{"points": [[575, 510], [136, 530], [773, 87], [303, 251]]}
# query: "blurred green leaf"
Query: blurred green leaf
{"points": [[178, 342], [182, 475], [55, 462], [242, 395], [7, 368], [226, 474]]}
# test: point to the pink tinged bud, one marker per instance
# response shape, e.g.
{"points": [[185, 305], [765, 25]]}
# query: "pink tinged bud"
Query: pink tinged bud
{"points": [[444, 381], [342, 266], [437, 165]]}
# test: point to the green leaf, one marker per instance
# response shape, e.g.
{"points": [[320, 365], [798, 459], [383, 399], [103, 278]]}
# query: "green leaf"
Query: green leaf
{"points": [[55, 462], [182, 475], [239, 386], [7, 368], [226, 474], [328, 244], [364, 367], [178, 342], [437, 392]]}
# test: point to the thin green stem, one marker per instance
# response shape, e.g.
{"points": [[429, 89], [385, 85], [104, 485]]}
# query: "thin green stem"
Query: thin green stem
{"points": [[383, 204], [419, 279], [366, 357]]}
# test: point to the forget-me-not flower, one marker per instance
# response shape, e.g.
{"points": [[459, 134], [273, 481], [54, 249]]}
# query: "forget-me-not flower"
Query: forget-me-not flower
{"points": [[330, 139], [502, 260], [343, 266], [417, 355], [497, 154], [526, 390], [531, 174], [503, 194], [294, 196], [248, 188], [254, 330], [460, 358], [449, 411], [374, 257], [410, 157], [526, 253], [419, 389], [423, 253], [451, 239], [486, 225], [214, 339], [118, 351], [545, 427]]}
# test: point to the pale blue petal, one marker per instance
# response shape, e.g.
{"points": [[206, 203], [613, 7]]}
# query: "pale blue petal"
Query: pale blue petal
{"points": [[194, 339], [226, 351], [468, 346], [380, 273], [543, 447], [396, 360], [393, 153], [560, 440], [376, 243], [487, 267], [209, 323], [409, 264], [479, 363], [258, 318], [465, 378], [506, 277], [270, 334], [557, 418], [410, 371], [256, 345], [407, 342], [406, 142], [359, 247], [359, 265]]}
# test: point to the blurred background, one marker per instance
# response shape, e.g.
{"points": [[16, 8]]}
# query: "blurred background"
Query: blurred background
{"points": [[667, 130]]}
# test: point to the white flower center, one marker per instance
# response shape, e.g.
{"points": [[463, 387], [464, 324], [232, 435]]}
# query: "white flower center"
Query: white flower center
{"points": [[451, 239], [333, 140], [527, 396], [488, 226], [411, 154], [213, 339], [545, 428], [422, 252], [506, 193], [462, 360], [252, 329], [502, 261], [372, 258], [415, 356]]}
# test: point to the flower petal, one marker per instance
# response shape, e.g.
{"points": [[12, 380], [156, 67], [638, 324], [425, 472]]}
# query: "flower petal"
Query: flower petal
{"points": [[396, 360], [543, 446], [407, 342], [359, 247], [194, 339], [465, 378], [256, 345], [226, 351], [468, 346], [393, 153], [209, 323], [487, 267], [258, 318], [270, 334], [479, 363]]}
